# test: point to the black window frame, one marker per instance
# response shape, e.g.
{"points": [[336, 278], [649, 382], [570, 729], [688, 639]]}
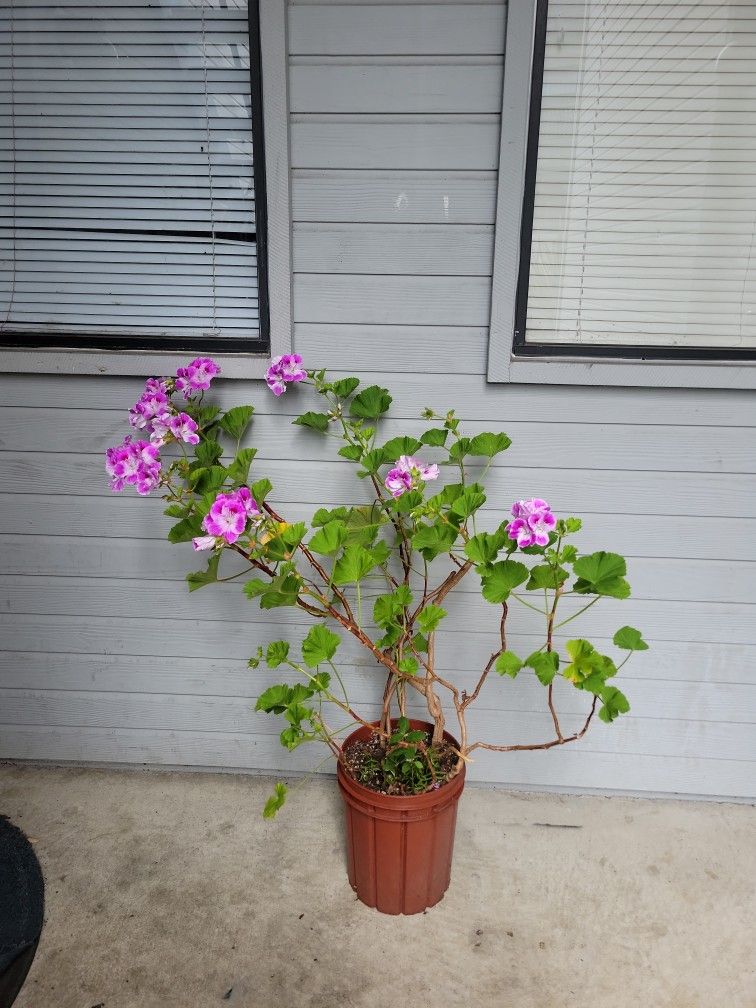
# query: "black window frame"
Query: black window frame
{"points": [[29, 340], [521, 347]]}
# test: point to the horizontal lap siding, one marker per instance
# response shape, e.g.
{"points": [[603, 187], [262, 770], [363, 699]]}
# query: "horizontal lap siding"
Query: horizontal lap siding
{"points": [[394, 132]]}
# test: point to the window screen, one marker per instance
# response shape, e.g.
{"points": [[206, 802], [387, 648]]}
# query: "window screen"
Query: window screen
{"points": [[132, 181], [642, 181]]}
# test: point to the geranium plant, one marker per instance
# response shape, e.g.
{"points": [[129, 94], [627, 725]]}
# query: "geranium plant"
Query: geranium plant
{"points": [[379, 571]]}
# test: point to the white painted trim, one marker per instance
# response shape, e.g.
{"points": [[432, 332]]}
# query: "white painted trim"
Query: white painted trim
{"points": [[118, 362], [54, 360], [275, 81], [503, 364]]}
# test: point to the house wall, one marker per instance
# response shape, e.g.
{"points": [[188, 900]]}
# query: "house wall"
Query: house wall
{"points": [[394, 133]]}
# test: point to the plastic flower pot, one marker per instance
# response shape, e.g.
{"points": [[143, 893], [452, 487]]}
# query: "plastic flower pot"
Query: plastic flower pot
{"points": [[399, 847]]}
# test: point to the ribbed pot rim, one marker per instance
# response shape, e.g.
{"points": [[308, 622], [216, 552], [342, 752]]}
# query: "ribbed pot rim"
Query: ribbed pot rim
{"points": [[429, 800]]}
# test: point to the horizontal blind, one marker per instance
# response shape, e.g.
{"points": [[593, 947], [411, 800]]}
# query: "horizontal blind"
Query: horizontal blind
{"points": [[645, 194], [127, 204]]}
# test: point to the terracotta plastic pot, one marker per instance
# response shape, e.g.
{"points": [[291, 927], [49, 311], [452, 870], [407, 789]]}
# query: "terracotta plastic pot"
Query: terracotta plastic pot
{"points": [[399, 848]]}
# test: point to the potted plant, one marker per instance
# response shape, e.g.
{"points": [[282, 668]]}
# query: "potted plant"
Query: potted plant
{"points": [[380, 573]]}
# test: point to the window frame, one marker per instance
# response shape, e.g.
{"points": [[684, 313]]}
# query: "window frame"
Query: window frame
{"points": [[510, 359], [269, 113]]}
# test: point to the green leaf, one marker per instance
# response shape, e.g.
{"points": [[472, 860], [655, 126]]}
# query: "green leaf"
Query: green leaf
{"points": [[469, 501], [408, 666], [601, 573], [201, 578], [400, 730], [371, 403], [275, 802], [323, 515], [420, 642], [501, 578], [293, 736], [489, 444], [282, 590], [387, 608], [352, 452], [508, 664], [319, 645], [572, 525], [277, 653], [447, 496], [205, 415], [236, 421], [362, 525], [614, 703], [352, 566], [315, 421], [430, 617], [588, 669], [629, 639], [284, 543], [391, 636], [261, 489], [320, 681], [544, 664], [459, 449], [372, 461], [546, 576], [238, 471], [400, 446], [274, 700], [207, 452], [329, 538], [176, 511], [435, 437], [432, 540], [344, 387], [186, 530], [568, 554], [207, 480], [407, 502], [484, 547]]}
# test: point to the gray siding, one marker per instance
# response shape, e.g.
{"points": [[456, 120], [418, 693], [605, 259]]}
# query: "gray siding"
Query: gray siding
{"points": [[394, 132]]}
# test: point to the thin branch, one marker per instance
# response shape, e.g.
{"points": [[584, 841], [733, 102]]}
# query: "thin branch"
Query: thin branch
{"points": [[541, 745], [467, 700]]}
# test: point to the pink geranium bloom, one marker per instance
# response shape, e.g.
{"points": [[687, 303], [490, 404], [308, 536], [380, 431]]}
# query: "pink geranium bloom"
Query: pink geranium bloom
{"points": [[407, 474], [183, 428], [152, 402], [203, 542], [161, 428], [228, 516], [398, 481], [533, 521], [283, 371], [196, 377], [134, 463]]}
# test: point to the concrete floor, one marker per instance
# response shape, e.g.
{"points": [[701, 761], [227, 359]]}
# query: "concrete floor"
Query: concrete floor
{"points": [[170, 890]]}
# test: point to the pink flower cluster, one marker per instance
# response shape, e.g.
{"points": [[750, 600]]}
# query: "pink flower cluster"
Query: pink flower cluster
{"points": [[137, 463], [532, 523], [134, 463], [283, 371], [155, 414], [196, 377], [227, 518], [407, 474]]}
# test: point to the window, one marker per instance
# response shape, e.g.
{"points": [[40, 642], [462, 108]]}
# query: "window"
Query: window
{"points": [[134, 206], [639, 229]]}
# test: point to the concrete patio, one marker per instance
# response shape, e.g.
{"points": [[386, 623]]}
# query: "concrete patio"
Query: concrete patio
{"points": [[170, 890]]}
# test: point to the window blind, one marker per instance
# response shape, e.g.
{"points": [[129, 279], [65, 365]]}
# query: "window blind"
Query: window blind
{"points": [[127, 172], [644, 218]]}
